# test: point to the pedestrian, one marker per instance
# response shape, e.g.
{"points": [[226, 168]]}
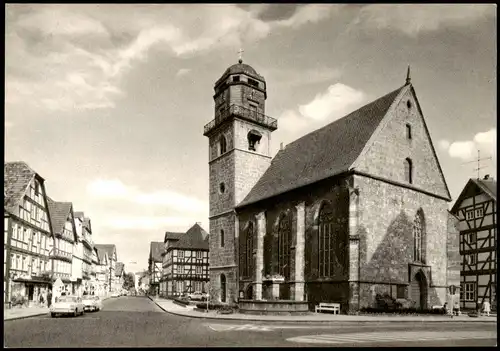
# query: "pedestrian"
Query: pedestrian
{"points": [[41, 299], [456, 308], [445, 308], [487, 308], [49, 298]]}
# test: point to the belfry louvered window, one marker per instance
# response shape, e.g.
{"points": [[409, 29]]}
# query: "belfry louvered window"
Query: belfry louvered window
{"points": [[284, 244], [326, 248]]}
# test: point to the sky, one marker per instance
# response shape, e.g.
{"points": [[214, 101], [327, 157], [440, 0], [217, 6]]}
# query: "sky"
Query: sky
{"points": [[108, 102]]}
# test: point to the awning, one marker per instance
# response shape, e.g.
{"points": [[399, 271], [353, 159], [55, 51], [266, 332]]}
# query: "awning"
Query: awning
{"points": [[32, 280]]}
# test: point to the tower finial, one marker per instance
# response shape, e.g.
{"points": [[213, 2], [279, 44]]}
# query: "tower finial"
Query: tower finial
{"points": [[408, 78], [240, 60]]}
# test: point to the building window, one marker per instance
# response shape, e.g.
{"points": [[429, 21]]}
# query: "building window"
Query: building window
{"points": [[471, 238], [408, 171], [479, 212], [199, 255], [408, 104], [470, 291], [181, 254], [221, 238], [222, 145], [326, 251], [247, 268], [222, 188], [408, 131], [401, 292], [198, 270], [253, 82], [284, 241], [253, 137], [418, 237], [236, 78], [470, 259]]}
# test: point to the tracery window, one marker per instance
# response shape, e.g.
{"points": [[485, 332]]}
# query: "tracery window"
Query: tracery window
{"points": [[247, 269], [417, 238], [326, 248], [284, 244]]}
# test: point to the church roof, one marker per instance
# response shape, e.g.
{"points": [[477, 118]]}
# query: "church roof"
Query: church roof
{"points": [[17, 177], [323, 153], [58, 212], [195, 238]]}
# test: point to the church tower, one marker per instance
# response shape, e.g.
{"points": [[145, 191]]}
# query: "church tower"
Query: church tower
{"points": [[239, 153]]}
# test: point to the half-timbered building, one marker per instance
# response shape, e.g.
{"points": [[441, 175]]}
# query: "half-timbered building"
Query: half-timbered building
{"points": [[119, 274], [476, 209], [112, 258], [169, 240], [186, 262], [65, 238], [102, 269], [155, 266], [27, 233]]}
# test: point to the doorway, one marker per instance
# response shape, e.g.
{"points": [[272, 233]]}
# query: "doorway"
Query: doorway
{"points": [[31, 292], [419, 291]]}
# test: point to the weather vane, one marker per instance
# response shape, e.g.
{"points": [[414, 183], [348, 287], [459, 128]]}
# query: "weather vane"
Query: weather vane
{"points": [[240, 52]]}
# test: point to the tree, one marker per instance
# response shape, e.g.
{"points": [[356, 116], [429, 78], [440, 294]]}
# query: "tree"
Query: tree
{"points": [[128, 281]]}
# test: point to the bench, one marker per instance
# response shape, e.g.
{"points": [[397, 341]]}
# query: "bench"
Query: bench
{"points": [[327, 306]]}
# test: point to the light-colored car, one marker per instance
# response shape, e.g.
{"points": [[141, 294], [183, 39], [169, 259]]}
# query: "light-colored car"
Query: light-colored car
{"points": [[92, 303], [72, 305], [197, 296], [115, 294]]}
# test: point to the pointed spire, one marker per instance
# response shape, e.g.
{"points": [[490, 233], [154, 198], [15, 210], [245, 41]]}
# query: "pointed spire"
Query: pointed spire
{"points": [[408, 78]]}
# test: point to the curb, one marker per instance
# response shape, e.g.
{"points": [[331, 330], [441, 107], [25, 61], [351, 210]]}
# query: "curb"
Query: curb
{"points": [[319, 321], [24, 317]]}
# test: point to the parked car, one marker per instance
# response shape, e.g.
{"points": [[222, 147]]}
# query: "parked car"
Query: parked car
{"points": [[115, 294], [197, 296], [92, 303], [72, 305]]}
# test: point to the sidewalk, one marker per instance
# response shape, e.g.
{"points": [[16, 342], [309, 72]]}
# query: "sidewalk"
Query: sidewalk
{"points": [[170, 307], [27, 312]]}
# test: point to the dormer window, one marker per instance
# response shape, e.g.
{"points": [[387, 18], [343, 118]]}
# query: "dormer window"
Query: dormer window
{"points": [[253, 139]]}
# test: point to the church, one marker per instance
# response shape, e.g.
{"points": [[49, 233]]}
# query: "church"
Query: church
{"points": [[354, 209]]}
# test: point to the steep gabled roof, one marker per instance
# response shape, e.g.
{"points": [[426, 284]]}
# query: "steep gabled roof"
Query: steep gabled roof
{"points": [[79, 214], [155, 251], [489, 187], [119, 269], [172, 236], [323, 153], [59, 212], [101, 254], [17, 177], [195, 238], [108, 248]]}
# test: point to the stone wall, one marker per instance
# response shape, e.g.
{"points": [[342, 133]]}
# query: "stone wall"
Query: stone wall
{"points": [[387, 213]]}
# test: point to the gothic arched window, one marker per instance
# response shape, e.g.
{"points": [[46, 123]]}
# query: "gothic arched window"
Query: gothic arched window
{"points": [[222, 145], [418, 236], [409, 171], [326, 248], [248, 268], [284, 244]]}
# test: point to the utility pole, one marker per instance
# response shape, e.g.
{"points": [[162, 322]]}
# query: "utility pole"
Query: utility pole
{"points": [[479, 159]]}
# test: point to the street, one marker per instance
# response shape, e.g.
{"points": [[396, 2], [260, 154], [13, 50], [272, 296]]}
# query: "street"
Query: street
{"points": [[138, 322]]}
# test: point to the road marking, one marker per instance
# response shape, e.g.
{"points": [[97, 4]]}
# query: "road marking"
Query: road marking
{"points": [[261, 327], [352, 338]]}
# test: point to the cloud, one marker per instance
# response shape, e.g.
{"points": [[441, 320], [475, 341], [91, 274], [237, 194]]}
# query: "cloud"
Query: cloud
{"points": [[466, 150], [303, 76], [183, 71], [413, 19], [292, 121], [332, 104], [104, 188], [148, 222], [115, 189], [63, 58], [444, 145]]}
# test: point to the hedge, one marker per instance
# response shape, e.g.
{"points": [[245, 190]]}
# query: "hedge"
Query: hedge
{"points": [[411, 310], [181, 302]]}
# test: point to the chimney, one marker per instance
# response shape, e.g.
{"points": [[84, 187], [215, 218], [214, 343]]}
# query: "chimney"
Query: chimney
{"points": [[486, 177], [281, 146]]}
